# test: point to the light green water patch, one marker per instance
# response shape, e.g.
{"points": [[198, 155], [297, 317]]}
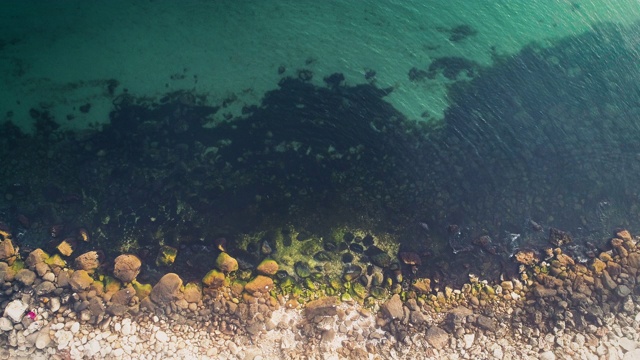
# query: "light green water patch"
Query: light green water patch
{"points": [[60, 57]]}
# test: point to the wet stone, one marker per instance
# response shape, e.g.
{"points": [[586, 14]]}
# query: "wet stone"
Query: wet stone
{"points": [[347, 258], [382, 260], [623, 291], [351, 272], [558, 237], [302, 269], [322, 256], [356, 248]]}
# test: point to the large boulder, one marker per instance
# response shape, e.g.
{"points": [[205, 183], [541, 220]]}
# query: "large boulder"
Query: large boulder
{"points": [[126, 267], [226, 263], [80, 280], [87, 261], [167, 289]]}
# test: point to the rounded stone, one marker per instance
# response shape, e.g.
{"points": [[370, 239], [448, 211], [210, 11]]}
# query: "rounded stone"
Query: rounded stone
{"points": [[226, 263], [126, 267], [268, 267]]}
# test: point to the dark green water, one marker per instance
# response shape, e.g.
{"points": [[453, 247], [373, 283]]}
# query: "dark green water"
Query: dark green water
{"points": [[542, 138]]}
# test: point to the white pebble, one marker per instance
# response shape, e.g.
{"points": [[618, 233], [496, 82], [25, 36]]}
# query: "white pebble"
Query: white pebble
{"points": [[5, 324], [162, 336], [75, 327]]}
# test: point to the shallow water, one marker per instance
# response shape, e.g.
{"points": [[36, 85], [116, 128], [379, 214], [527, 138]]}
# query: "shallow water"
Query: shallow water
{"points": [[161, 123]]}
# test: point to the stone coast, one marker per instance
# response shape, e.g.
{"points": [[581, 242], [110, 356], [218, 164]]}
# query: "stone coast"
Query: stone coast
{"points": [[557, 308]]}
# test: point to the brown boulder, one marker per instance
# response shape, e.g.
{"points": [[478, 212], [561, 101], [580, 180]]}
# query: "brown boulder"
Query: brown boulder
{"points": [[87, 261], [167, 289], [126, 267]]}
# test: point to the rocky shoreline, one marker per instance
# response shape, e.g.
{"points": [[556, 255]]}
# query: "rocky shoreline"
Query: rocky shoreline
{"points": [[556, 309]]}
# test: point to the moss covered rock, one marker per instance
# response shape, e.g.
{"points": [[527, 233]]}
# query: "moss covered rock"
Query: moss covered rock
{"points": [[192, 293], [213, 279], [261, 284], [166, 256], [226, 263], [142, 290], [268, 267]]}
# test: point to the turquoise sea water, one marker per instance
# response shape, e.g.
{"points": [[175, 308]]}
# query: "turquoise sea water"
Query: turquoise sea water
{"points": [[178, 123]]}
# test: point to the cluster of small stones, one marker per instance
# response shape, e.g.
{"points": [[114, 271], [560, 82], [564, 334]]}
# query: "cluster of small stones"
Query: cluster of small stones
{"points": [[557, 309]]}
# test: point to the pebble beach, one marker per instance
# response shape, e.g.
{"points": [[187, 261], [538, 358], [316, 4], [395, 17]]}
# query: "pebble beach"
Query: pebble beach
{"points": [[557, 309]]}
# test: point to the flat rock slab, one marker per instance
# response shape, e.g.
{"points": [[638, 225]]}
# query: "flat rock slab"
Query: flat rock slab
{"points": [[437, 337], [325, 306], [15, 310], [393, 308]]}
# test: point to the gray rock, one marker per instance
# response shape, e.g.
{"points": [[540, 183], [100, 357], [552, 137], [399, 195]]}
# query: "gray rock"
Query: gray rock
{"points": [[548, 355], [607, 281], [632, 355], [43, 339], [487, 323], [54, 304], [167, 289], [437, 337], [627, 344], [15, 310], [393, 307], [623, 291], [44, 288], [417, 318], [26, 276], [542, 292], [5, 324]]}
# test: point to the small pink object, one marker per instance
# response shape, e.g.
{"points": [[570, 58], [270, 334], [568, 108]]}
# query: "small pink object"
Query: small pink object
{"points": [[31, 315]]}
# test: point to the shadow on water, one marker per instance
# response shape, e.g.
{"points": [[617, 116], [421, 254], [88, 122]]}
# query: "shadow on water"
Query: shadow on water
{"points": [[542, 139]]}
